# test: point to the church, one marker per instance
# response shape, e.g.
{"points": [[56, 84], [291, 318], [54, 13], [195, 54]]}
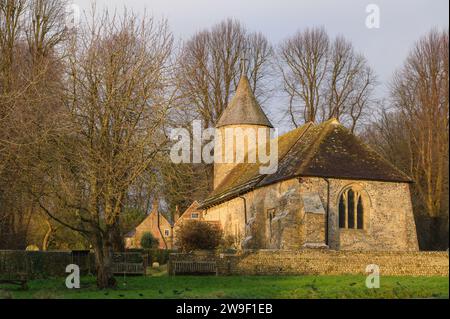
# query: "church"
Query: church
{"points": [[330, 191]]}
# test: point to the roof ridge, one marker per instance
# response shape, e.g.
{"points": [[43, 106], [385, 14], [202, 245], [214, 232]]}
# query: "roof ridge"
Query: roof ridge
{"points": [[191, 207]]}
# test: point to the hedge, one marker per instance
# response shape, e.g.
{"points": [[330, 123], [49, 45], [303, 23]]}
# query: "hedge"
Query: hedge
{"points": [[45, 264], [40, 264]]}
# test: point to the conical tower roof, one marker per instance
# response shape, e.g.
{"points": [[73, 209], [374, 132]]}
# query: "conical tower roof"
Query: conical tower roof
{"points": [[244, 108]]}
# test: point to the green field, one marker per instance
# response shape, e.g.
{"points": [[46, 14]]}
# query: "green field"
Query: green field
{"points": [[160, 286]]}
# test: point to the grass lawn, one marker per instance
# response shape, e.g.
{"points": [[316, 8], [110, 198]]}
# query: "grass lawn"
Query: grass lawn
{"points": [[157, 285]]}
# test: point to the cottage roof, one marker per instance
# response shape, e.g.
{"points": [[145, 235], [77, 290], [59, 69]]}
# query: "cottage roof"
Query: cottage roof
{"points": [[192, 208], [163, 215], [327, 150], [244, 108]]}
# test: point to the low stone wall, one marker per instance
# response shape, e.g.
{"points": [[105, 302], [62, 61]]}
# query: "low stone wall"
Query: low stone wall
{"points": [[324, 262]]}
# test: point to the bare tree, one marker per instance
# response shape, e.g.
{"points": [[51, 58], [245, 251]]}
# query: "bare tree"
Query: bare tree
{"points": [[209, 68], [29, 96], [117, 101], [350, 83], [11, 226], [208, 71], [11, 13], [414, 134], [420, 92], [324, 79], [303, 65], [46, 27]]}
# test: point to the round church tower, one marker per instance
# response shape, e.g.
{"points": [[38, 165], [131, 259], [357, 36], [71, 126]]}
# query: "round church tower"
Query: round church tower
{"points": [[238, 131]]}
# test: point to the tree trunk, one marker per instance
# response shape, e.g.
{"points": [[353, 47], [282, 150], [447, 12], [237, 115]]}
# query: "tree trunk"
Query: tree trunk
{"points": [[438, 242], [116, 238], [104, 261], [46, 240]]}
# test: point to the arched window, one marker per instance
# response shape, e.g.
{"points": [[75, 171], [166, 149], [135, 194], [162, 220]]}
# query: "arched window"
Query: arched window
{"points": [[351, 210]]}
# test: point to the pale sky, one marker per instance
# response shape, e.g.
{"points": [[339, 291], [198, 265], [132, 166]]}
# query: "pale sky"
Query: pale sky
{"points": [[402, 22]]}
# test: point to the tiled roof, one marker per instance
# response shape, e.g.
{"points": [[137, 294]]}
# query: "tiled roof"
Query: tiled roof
{"points": [[328, 150], [193, 208], [244, 108]]}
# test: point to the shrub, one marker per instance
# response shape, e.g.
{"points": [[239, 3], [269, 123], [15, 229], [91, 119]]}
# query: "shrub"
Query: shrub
{"points": [[148, 241], [228, 243], [157, 255], [198, 235]]}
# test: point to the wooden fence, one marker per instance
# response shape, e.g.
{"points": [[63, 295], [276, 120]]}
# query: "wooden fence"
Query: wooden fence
{"points": [[129, 263]]}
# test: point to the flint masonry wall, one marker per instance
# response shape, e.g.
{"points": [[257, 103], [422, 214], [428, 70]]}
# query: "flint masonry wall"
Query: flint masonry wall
{"points": [[389, 220], [325, 262], [276, 218]]}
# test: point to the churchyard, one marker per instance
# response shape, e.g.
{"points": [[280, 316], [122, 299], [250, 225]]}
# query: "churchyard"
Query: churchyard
{"points": [[160, 286]]}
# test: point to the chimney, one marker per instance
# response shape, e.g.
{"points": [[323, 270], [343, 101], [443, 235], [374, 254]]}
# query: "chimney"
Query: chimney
{"points": [[176, 215], [155, 205]]}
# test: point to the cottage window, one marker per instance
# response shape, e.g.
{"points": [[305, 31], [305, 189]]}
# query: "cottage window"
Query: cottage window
{"points": [[194, 215], [351, 210], [167, 232]]}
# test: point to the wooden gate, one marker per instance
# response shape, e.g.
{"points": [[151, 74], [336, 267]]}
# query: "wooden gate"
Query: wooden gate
{"points": [[129, 264]]}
